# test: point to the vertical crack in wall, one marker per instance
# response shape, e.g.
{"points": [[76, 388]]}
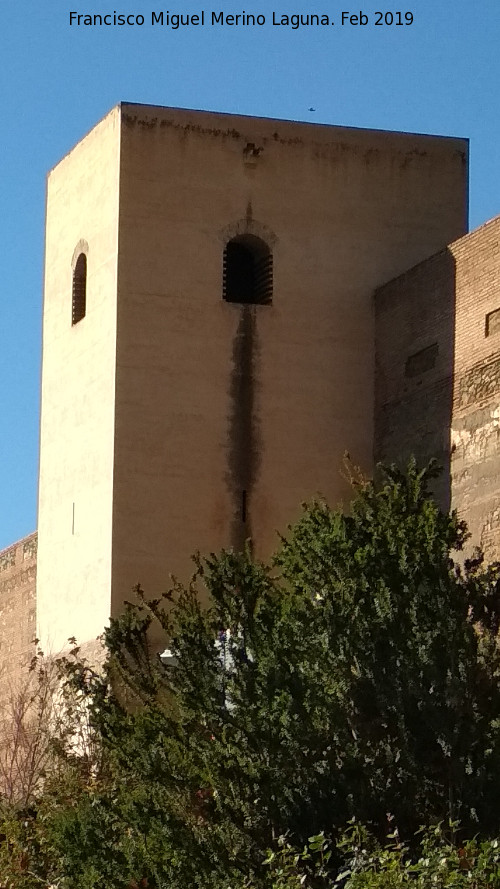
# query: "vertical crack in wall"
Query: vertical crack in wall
{"points": [[244, 444]]}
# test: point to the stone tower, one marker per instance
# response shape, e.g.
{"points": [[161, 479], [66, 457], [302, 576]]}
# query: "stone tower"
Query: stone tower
{"points": [[208, 335]]}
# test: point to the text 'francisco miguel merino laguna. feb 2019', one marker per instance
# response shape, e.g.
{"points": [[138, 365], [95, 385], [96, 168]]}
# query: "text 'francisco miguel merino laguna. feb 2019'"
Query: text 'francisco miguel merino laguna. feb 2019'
{"points": [[217, 18]]}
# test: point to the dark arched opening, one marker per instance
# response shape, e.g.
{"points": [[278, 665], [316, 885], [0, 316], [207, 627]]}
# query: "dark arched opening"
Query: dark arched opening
{"points": [[248, 271], [79, 303]]}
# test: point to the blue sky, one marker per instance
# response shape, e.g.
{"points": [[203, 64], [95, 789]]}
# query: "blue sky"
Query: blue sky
{"points": [[439, 75]]}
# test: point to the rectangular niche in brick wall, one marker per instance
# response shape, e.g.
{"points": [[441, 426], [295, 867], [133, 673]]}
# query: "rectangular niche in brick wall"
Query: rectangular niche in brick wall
{"points": [[421, 361], [492, 323]]}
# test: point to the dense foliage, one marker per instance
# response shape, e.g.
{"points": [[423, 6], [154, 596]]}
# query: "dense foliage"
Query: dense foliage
{"points": [[438, 859], [355, 676]]}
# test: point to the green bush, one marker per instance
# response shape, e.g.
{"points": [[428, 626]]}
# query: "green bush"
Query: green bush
{"points": [[355, 675], [439, 860]]}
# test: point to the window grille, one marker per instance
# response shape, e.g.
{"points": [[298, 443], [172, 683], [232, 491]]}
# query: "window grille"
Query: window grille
{"points": [[248, 271], [79, 303]]}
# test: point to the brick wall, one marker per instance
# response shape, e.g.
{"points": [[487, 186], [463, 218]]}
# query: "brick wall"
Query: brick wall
{"points": [[415, 324], [450, 406], [200, 422], [475, 432]]}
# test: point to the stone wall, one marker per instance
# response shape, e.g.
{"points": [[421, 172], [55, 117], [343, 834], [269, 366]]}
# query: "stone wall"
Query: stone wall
{"points": [[174, 420], [475, 430], [17, 610], [438, 376], [78, 385], [228, 416]]}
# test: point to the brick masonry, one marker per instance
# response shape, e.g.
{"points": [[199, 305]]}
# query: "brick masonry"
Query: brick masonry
{"points": [[451, 409], [173, 420]]}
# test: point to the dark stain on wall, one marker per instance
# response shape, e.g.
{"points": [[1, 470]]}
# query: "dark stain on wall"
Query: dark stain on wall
{"points": [[243, 435], [151, 123]]}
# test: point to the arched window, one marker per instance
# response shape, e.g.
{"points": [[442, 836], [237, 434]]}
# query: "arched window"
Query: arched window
{"points": [[79, 304], [248, 271]]}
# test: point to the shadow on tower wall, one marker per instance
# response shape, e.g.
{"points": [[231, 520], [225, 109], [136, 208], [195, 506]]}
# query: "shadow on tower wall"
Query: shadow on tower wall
{"points": [[414, 367]]}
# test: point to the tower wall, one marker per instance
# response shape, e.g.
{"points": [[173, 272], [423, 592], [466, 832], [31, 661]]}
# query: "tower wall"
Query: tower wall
{"points": [[450, 407], [78, 390], [173, 420], [475, 428], [216, 401]]}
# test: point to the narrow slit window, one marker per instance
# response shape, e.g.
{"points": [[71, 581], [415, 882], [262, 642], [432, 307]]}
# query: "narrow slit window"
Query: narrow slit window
{"points": [[79, 303], [248, 271]]}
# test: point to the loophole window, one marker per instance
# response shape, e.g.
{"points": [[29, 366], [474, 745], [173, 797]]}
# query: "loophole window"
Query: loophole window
{"points": [[79, 303], [248, 271]]}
